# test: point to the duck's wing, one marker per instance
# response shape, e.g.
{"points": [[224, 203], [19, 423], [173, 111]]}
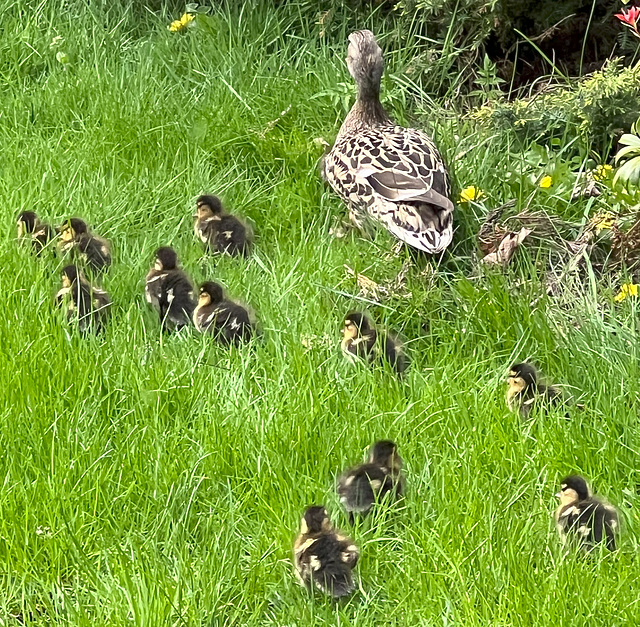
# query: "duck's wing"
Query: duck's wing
{"points": [[410, 187]]}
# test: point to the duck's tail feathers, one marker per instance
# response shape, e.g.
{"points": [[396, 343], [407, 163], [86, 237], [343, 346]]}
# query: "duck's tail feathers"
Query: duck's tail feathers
{"points": [[334, 580]]}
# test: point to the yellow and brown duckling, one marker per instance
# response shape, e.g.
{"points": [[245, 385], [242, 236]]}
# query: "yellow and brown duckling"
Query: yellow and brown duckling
{"points": [[169, 290], [220, 231], [87, 305], [228, 322], [361, 487], [322, 556], [525, 388], [583, 518], [361, 340], [76, 237], [30, 227]]}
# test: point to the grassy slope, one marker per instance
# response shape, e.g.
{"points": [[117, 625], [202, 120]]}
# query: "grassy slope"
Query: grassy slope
{"points": [[160, 480]]}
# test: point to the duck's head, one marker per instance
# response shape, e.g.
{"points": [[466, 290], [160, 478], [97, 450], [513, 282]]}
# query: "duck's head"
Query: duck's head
{"points": [[210, 292], [315, 520], [385, 452], [208, 206], [71, 228], [355, 325], [573, 489], [521, 377], [27, 222], [165, 259], [70, 275], [365, 62]]}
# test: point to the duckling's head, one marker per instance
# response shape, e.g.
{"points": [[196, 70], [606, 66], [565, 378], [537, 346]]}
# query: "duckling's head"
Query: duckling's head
{"points": [[522, 376], [573, 489], [355, 325], [70, 275], [365, 62], [71, 228], [166, 259], [208, 206], [315, 520], [385, 452], [210, 292], [27, 222]]}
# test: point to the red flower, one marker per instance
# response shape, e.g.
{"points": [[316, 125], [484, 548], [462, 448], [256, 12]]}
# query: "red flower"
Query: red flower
{"points": [[630, 17]]}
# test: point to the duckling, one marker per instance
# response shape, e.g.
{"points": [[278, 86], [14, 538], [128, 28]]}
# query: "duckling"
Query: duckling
{"points": [[87, 304], [583, 517], [30, 226], [361, 340], [169, 290], [359, 488], [525, 388], [227, 321], [219, 231], [95, 251], [322, 556]]}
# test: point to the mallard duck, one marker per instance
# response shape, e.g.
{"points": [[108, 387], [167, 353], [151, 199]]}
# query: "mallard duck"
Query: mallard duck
{"points": [[169, 290], [392, 175], [86, 304], [359, 488], [227, 321], [93, 250], [30, 227], [524, 389], [361, 340], [584, 518], [218, 230], [322, 556]]}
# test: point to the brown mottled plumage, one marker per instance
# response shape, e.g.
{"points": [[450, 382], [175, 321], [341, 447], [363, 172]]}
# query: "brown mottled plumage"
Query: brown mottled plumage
{"points": [[76, 238], [392, 175]]}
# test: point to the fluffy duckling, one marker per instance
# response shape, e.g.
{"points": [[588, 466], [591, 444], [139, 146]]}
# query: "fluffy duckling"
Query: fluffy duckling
{"points": [[76, 237], [359, 488], [361, 340], [87, 304], [227, 321], [322, 556], [525, 388], [218, 230], [30, 227], [584, 518], [169, 290]]}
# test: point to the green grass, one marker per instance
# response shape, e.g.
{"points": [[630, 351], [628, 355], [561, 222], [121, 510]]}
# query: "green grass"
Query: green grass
{"points": [[154, 480]]}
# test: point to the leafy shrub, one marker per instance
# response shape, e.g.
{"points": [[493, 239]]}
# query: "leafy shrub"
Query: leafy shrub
{"points": [[595, 110]]}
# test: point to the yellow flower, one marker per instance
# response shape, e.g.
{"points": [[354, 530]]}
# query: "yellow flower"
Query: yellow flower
{"points": [[602, 172], [182, 23], [603, 220], [471, 193], [626, 289], [546, 182]]}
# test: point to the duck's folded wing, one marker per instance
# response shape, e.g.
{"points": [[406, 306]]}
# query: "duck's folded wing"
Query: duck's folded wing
{"points": [[400, 187]]}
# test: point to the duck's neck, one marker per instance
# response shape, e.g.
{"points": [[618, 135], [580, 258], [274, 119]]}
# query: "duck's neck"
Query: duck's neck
{"points": [[366, 112]]}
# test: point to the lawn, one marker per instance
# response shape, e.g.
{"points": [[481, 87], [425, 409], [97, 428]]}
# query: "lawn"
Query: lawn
{"points": [[159, 480]]}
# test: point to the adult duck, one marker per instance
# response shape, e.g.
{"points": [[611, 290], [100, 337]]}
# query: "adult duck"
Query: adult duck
{"points": [[386, 173]]}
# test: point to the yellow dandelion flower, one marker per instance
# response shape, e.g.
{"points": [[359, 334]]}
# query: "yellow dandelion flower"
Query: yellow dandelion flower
{"points": [[603, 220], [602, 172], [546, 182], [471, 193], [178, 25], [626, 290]]}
